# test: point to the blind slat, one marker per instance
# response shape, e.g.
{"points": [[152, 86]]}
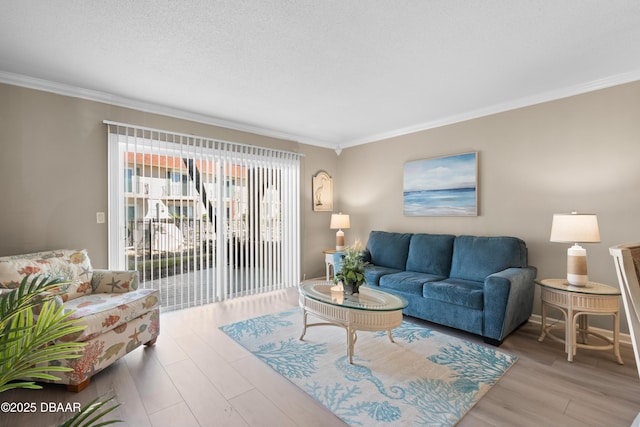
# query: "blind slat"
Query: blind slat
{"points": [[170, 181]]}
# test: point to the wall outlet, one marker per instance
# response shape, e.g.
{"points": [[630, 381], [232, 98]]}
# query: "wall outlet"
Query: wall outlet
{"points": [[100, 217]]}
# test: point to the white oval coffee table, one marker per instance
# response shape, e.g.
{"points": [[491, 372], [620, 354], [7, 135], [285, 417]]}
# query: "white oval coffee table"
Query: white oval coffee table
{"points": [[369, 310]]}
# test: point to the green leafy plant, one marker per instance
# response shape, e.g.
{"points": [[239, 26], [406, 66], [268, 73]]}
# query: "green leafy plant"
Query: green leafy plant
{"points": [[351, 272], [91, 413], [31, 319], [27, 339]]}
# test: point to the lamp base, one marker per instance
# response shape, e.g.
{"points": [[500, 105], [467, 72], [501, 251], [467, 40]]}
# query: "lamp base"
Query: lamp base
{"points": [[339, 240], [577, 280], [577, 266]]}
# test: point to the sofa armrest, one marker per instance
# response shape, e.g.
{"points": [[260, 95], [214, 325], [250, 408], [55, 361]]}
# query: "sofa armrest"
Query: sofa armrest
{"points": [[508, 301], [114, 282]]}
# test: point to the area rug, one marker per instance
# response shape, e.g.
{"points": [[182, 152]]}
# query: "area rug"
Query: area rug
{"points": [[425, 378]]}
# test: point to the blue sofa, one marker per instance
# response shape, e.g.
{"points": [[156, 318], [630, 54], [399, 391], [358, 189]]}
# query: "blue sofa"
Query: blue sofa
{"points": [[481, 285]]}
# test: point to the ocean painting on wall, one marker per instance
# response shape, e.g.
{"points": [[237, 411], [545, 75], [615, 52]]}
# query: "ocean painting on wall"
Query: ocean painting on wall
{"points": [[444, 186]]}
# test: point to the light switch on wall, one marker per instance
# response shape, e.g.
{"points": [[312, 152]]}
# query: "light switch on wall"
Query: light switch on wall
{"points": [[100, 217]]}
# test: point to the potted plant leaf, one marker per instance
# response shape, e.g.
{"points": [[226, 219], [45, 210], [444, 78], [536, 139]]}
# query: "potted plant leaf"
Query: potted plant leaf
{"points": [[31, 320], [351, 272], [27, 339]]}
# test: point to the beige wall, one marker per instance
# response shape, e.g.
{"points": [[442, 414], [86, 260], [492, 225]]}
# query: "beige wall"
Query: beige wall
{"points": [[53, 173], [579, 153]]}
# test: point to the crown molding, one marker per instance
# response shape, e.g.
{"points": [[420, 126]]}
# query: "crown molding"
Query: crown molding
{"points": [[553, 95], [98, 96], [148, 107]]}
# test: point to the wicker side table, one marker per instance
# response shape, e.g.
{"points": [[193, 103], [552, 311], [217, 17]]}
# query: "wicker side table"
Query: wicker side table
{"points": [[577, 303]]}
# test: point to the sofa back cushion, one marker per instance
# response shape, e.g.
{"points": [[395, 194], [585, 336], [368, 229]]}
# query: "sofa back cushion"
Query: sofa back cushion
{"points": [[389, 249], [475, 258], [431, 253], [67, 264]]}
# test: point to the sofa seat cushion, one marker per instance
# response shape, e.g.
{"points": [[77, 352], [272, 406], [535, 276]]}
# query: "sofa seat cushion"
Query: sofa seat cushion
{"points": [[373, 273], [475, 258], [466, 293], [70, 265], [388, 249], [407, 281], [103, 312], [431, 253]]}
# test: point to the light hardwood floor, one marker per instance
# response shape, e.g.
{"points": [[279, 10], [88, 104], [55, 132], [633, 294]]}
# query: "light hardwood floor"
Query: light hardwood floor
{"points": [[196, 375]]}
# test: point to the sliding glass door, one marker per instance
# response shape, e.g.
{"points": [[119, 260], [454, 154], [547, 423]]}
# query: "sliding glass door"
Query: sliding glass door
{"points": [[202, 220]]}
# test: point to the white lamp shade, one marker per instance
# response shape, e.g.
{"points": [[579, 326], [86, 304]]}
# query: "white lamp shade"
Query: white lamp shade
{"points": [[575, 228], [339, 221]]}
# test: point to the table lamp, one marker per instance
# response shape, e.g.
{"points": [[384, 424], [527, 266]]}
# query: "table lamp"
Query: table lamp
{"points": [[339, 221], [575, 228]]}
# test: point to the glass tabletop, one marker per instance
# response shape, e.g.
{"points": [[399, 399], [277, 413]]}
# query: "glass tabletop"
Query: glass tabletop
{"points": [[592, 288], [367, 299]]}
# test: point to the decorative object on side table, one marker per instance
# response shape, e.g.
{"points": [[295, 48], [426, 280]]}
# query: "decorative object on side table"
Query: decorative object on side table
{"points": [[351, 272], [575, 228], [338, 222]]}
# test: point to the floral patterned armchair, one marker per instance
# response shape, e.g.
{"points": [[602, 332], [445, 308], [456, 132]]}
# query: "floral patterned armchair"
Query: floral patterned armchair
{"points": [[118, 316]]}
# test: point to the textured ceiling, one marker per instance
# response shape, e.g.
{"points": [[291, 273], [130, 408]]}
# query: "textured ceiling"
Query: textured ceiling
{"points": [[331, 72]]}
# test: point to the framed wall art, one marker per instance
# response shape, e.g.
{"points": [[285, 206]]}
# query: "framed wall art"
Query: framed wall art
{"points": [[322, 191], [442, 186]]}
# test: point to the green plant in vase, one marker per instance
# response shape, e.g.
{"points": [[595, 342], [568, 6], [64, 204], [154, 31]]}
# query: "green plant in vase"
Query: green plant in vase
{"points": [[351, 272]]}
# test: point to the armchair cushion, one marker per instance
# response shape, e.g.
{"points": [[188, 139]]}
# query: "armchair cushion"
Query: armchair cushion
{"points": [[103, 312], [71, 265]]}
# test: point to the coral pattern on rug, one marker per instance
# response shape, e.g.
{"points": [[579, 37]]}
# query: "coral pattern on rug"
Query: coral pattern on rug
{"points": [[425, 378]]}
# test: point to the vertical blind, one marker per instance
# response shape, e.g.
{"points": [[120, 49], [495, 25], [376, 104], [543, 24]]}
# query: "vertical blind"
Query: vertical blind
{"points": [[202, 220]]}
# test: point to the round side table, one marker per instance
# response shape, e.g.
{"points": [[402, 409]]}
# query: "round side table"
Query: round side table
{"points": [[328, 262], [577, 303]]}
